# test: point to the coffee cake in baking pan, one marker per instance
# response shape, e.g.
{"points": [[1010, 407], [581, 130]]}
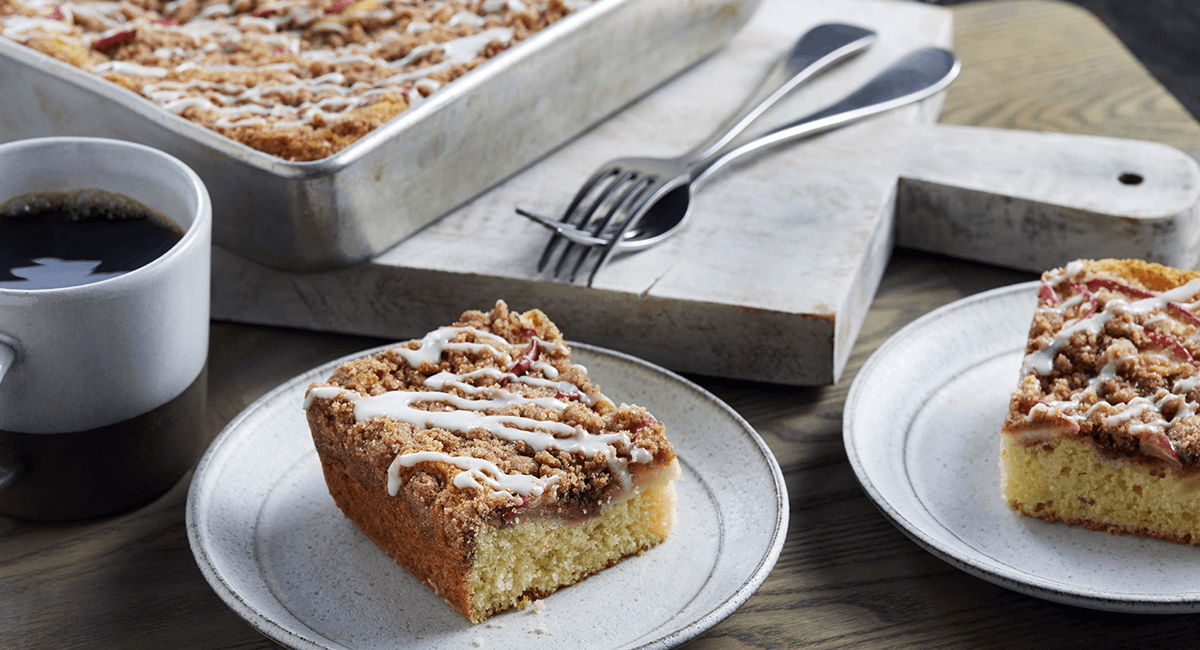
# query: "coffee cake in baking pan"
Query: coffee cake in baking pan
{"points": [[333, 129]]}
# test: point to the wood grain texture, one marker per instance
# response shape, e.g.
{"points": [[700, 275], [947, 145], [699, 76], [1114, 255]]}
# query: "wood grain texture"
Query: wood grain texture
{"points": [[1052, 66], [846, 577]]}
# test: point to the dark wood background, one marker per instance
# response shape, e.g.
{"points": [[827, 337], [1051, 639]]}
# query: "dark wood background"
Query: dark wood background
{"points": [[846, 577], [1163, 34]]}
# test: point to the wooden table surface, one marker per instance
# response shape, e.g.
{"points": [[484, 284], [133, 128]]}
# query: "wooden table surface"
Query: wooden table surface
{"points": [[845, 578]]}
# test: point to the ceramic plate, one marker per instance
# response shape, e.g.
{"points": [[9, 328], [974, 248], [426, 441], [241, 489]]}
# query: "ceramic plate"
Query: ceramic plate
{"points": [[922, 426], [270, 541]]}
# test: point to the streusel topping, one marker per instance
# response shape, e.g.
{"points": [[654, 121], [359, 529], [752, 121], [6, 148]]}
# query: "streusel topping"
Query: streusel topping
{"points": [[490, 419], [1112, 357]]}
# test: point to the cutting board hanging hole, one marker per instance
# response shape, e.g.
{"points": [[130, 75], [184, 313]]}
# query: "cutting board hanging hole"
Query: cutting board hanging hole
{"points": [[1129, 178]]}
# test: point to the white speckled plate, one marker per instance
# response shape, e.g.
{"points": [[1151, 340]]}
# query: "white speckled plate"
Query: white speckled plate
{"points": [[270, 541], [922, 426]]}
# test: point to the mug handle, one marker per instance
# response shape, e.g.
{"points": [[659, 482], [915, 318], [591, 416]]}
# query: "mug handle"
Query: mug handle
{"points": [[10, 463], [8, 354]]}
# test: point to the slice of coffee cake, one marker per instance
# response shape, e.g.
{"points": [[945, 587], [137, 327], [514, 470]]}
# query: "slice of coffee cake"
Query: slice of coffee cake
{"points": [[485, 462], [1102, 430]]}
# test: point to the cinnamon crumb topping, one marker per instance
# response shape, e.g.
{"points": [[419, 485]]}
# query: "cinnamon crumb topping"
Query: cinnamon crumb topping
{"points": [[492, 342], [1112, 356]]}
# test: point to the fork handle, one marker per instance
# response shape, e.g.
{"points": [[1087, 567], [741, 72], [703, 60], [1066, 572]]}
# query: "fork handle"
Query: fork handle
{"points": [[818, 49]]}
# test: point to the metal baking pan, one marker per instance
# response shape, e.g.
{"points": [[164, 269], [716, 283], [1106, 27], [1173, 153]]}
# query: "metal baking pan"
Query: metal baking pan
{"points": [[468, 136]]}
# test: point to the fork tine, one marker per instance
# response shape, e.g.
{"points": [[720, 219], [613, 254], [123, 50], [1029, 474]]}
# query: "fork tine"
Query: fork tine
{"points": [[600, 200], [630, 197], [571, 211], [633, 215], [632, 181], [577, 235], [604, 201]]}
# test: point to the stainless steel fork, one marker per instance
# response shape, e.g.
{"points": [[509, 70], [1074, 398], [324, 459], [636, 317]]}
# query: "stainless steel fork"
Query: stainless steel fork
{"points": [[624, 188], [911, 78]]}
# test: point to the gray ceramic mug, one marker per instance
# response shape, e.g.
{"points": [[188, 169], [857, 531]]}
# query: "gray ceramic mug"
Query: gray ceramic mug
{"points": [[102, 385]]}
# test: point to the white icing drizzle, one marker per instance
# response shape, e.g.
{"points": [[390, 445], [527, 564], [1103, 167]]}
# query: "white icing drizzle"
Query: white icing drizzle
{"points": [[216, 10], [1071, 302], [1143, 415], [131, 69], [1186, 384], [475, 471], [435, 342], [17, 28], [444, 379], [547, 370], [463, 49], [1042, 361], [469, 414], [1133, 414], [538, 434]]}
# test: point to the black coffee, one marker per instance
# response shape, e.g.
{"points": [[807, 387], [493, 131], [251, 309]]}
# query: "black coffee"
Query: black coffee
{"points": [[53, 240]]}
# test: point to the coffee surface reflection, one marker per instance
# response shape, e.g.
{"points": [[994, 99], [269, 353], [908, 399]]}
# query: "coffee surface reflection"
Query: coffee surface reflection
{"points": [[54, 240]]}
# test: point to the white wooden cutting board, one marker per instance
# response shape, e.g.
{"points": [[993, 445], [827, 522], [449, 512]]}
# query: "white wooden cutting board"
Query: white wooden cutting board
{"points": [[771, 279]]}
